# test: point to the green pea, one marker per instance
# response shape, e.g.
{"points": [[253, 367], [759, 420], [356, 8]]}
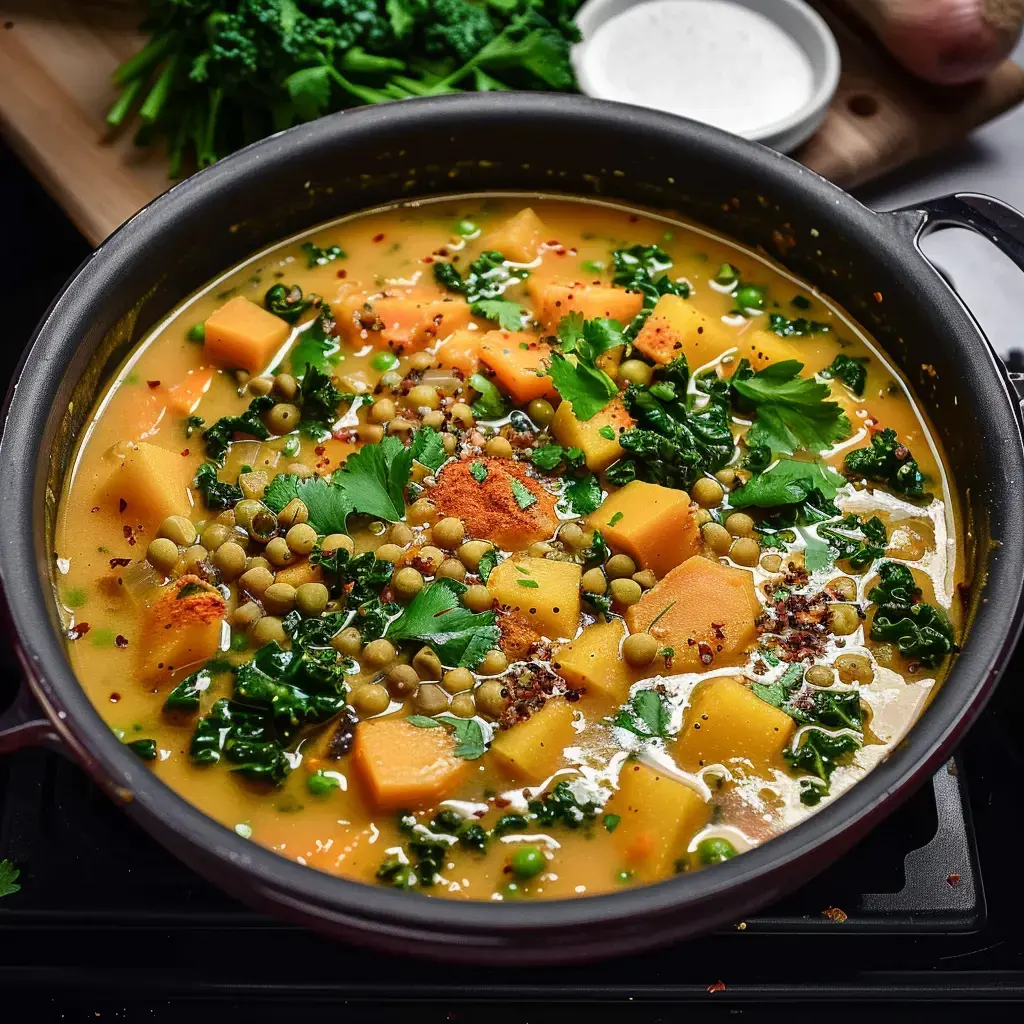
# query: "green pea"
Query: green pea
{"points": [[384, 361], [592, 267], [320, 784], [750, 296], [197, 332], [715, 850], [467, 228], [528, 861]]}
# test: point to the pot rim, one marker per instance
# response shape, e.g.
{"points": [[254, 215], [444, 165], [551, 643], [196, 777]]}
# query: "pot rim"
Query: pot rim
{"points": [[301, 888]]}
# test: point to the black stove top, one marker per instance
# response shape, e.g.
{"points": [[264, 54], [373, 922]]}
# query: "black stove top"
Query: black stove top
{"points": [[924, 910]]}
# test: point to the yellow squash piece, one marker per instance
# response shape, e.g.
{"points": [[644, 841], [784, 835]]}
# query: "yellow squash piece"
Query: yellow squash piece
{"points": [[152, 482], [545, 594], [600, 451], [243, 336], [533, 750], [554, 300], [594, 663], [652, 524], [405, 766], [703, 610], [181, 628], [658, 817], [762, 348], [517, 238], [726, 720]]}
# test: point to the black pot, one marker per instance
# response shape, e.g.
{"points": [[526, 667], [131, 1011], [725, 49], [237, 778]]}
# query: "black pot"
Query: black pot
{"points": [[869, 262]]}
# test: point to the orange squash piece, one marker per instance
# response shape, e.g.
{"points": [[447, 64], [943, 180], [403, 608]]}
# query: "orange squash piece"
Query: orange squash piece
{"points": [[519, 363], [533, 750], [600, 451], [543, 592], [461, 351], [404, 324], [517, 238], [404, 766], [593, 662], [704, 610], [184, 396], [151, 481], [181, 628], [652, 524], [243, 336], [553, 300]]}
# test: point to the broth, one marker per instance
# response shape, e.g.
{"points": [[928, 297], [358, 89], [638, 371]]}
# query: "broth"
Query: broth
{"points": [[547, 755]]}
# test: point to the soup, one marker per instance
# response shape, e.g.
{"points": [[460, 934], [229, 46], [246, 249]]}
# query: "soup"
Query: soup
{"points": [[508, 547]]}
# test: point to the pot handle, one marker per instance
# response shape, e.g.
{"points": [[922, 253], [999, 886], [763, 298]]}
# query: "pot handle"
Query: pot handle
{"points": [[24, 724]]}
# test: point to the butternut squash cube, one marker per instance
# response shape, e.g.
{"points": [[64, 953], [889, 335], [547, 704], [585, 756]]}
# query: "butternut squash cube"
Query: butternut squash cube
{"points": [[404, 323], [300, 572], [652, 524], [533, 751], [519, 363], [517, 238], [544, 593], [461, 351], [600, 451], [181, 628], [151, 481], [658, 817], [243, 336], [725, 720], [405, 767], [553, 300], [762, 347], [593, 662], [184, 396], [703, 609]]}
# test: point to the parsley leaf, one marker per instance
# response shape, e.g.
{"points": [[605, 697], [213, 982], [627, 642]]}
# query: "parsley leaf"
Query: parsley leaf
{"points": [[523, 495], [580, 381], [428, 448], [509, 315], [646, 715], [490, 405], [851, 370], [317, 345], [374, 479], [437, 617], [9, 876], [792, 411], [328, 504], [219, 436], [469, 737], [787, 482], [889, 461], [548, 456], [216, 494], [583, 495]]}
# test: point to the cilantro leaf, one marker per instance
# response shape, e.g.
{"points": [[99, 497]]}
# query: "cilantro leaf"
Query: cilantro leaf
{"points": [[328, 504], [9, 876], [490, 405], [487, 564], [889, 461], [437, 617], [509, 315], [373, 479], [646, 715], [523, 495], [469, 737], [478, 471], [216, 494], [586, 387], [787, 482], [792, 411], [219, 436], [317, 345], [428, 448], [583, 495], [548, 456], [851, 370]]}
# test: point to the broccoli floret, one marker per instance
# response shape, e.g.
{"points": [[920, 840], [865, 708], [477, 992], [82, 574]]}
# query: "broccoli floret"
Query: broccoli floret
{"points": [[452, 28]]}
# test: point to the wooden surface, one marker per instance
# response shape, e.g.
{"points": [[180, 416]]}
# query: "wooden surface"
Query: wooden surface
{"points": [[56, 57]]}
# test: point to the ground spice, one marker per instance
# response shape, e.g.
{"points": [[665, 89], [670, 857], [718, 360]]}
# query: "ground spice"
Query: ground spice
{"points": [[489, 507], [517, 637]]}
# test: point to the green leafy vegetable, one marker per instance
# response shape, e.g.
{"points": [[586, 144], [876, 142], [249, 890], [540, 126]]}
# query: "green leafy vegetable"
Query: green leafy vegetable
{"points": [[144, 749], [353, 579], [487, 564], [851, 370], [317, 257], [488, 277], [469, 737], [490, 405], [562, 807], [186, 695], [428, 448], [216, 494], [890, 462], [607, 432], [920, 631], [9, 876], [318, 345], [478, 471], [819, 754], [318, 399], [218, 437], [525, 498], [792, 411], [635, 270], [437, 617], [646, 715], [508, 315], [287, 301], [855, 540], [788, 482], [548, 456], [583, 494], [801, 327]]}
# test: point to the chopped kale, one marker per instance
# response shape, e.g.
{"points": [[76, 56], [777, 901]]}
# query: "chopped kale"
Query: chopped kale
{"points": [[801, 327], [143, 749], [888, 461], [635, 270], [857, 541], [488, 277], [318, 257], [318, 399], [317, 345], [851, 370], [919, 630], [561, 807], [287, 302], [353, 579], [216, 494], [218, 437]]}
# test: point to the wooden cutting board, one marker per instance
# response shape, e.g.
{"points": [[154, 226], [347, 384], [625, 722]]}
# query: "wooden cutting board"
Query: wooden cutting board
{"points": [[56, 57]]}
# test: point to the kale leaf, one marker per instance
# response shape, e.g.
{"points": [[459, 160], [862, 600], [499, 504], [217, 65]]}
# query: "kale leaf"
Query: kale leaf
{"points": [[582, 494], [851, 370], [635, 270], [801, 327], [561, 807], [320, 257], [219, 436], [318, 399], [488, 277], [888, 461], [355, 579], [844, 542], [216, 494], [919, 630]]}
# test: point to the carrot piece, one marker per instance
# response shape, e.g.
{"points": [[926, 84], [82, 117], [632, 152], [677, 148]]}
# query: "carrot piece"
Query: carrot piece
{"points": [[243, 336], [554, 300], [519, 361], [461, 351], [181, 627], [402, 323], [404, 766], [184, 396], [703, 610]]}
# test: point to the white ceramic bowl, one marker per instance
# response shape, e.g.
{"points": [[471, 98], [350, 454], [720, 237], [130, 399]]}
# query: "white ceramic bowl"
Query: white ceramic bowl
{"points": [[795, 18]]}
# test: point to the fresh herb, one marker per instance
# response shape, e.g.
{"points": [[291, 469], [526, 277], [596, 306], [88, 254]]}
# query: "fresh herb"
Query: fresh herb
{"points": [[583, 494], [192, 424], [287, 302], [646, 715], [801, 327], [548, 456], [580, 381], [469, 737], [508, 315], [488, 277], [792, 411], [490, 405], [525, 498], [611, 822], [888, 461], [607, 432], [635, 270], [9, 876], [428, 448], [437, 617], [562, 807], [318, 345], [487, 564], [788, 482], [478, 471], [674, 443], [144, 749], [920, 631], [216, 494], [851, 370], [354, 579], [855, 540], [530, 584], [218, 437], [317, 257], [819, 754], [318, 399]]}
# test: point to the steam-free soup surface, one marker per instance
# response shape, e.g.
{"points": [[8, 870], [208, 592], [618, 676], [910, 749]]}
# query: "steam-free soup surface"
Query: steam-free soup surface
{"points": [[505, 547]]}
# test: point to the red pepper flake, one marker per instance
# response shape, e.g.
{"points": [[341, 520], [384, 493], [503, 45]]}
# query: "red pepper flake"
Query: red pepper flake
{"points": [[154, 384], [319, 449], [553, 243], [342, 273], [119, 563], [120, 641], [705, 653], [718, 986], [379, 238], [128, 535], [877, 296], [633, 218], [122, 504], [954, 880], [95, 508], [427, 259], [78, 630], [184, 453], [835, 914], [114, 698]]}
